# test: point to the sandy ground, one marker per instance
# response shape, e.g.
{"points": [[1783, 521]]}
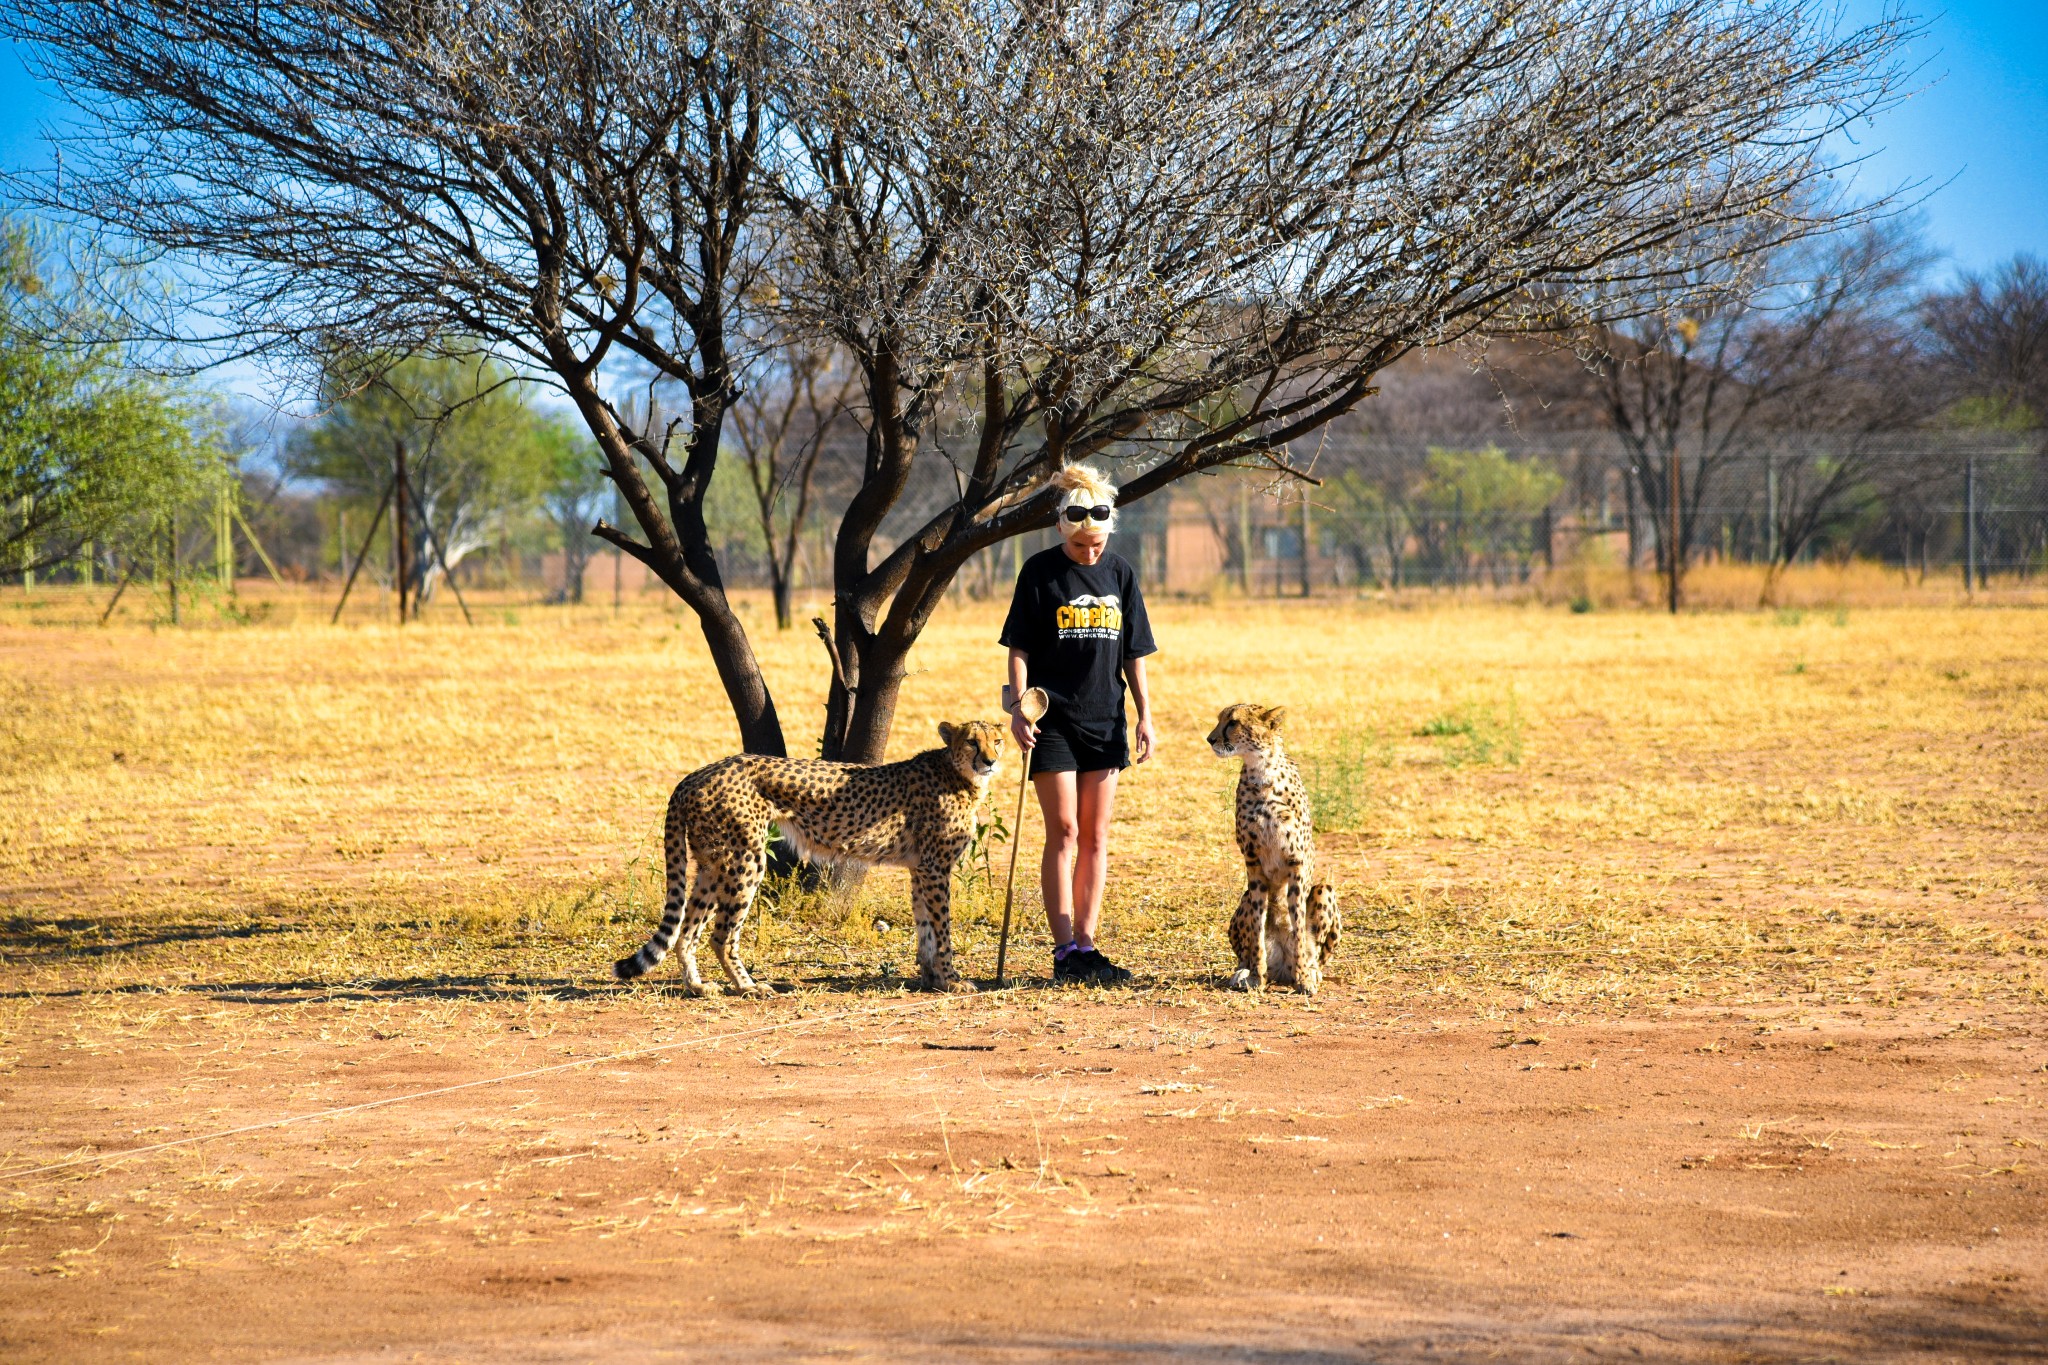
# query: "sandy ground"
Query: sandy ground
{"points": [[1711, 1030], [1047, 1174]]}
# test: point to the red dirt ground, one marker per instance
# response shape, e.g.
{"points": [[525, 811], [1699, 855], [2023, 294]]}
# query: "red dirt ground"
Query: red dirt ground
{"points": [[1040, 1175]]}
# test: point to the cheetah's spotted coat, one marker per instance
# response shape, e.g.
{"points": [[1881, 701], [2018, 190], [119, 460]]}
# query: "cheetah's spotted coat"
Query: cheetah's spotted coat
{"points": [[917, 814], [1286, 923]]}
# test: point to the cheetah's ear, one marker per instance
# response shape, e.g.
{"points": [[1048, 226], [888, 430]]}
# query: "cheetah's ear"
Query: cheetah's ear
{"points": [[1275, 717], [947, 732]]}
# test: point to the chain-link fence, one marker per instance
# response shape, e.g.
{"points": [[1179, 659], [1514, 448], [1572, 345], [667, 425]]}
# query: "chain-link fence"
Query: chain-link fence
{"points": [[1460, 509], [1445, 509]]}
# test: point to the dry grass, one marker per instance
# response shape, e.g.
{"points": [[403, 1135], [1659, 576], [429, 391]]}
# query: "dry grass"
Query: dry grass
{"points": [[236, 859], [1594, 810]]}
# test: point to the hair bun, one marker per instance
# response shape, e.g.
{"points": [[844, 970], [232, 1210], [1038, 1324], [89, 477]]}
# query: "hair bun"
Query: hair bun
{"points": [[1086, 478]]}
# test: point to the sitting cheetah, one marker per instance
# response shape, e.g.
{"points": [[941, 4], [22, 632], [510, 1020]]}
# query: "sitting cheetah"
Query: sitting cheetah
{"points": [[917, 814], [1286, 923]]}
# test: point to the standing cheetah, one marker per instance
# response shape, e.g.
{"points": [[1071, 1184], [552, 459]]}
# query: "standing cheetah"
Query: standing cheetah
{"points": [[917, 814], [1286, 923]]}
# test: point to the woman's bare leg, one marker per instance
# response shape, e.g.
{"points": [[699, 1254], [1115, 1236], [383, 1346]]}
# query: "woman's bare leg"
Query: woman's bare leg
{"points": [[1056, 797], [1095, 803]]}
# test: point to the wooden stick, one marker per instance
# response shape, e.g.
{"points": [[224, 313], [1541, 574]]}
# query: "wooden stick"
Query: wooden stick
{"points": [[249, 532], [1031, 706], [375, 522], [115, 601]]}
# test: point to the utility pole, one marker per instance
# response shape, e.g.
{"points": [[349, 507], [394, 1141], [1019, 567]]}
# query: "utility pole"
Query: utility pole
{"points": [[403, 548], [1675, 553]]}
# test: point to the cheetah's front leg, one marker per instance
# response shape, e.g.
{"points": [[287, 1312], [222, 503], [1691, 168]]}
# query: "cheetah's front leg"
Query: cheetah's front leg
{"points": [[1308, 961], [931, 903], [1248, 934]]}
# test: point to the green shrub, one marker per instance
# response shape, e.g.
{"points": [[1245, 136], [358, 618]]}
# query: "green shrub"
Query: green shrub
{"points": [[1477, 732], [1337, 775]]}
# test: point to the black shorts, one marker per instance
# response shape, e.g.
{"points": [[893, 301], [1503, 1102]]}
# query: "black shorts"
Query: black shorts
{"points": [[1061, 750]]}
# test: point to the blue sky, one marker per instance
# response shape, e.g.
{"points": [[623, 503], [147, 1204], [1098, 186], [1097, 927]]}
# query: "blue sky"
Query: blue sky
{"points": [[1977, 135]]}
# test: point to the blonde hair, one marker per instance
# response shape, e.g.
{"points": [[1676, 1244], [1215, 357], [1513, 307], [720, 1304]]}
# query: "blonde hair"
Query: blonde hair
{"points": [[1086, 486]]}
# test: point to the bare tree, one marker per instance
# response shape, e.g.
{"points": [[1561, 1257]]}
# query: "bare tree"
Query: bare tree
{"points": [[1178, 236], [1991, 335], [569, 183], [782, 419], [1186, 236], [1817, 337]]}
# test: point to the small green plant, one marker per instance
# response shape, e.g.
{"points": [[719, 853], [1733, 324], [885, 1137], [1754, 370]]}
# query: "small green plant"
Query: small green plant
{"points": [[1840, 618], [1581, 604], [1336, 774], [1789, 616], [977, 867], [1477, 732]]}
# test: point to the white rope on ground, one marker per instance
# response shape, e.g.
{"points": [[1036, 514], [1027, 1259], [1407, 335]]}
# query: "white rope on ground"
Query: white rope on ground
{"points": [[904, 1007]]}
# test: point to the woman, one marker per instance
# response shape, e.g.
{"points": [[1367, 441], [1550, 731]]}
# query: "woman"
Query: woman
{"points": [[1077, 628]]}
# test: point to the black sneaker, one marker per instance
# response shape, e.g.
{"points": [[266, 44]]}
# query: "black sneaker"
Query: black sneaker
{"points": [[1100, 970], [1073, 967]]}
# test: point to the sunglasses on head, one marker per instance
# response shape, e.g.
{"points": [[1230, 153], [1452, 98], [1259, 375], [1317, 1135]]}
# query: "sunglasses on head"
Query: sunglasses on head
{"points": [[1077, 515]]}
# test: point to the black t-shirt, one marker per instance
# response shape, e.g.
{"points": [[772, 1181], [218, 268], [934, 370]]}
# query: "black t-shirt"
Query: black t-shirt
{"points": [[1079, 624]]}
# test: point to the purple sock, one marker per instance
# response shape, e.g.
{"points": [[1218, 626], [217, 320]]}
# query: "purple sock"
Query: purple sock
{"points": [[1060, 952]]}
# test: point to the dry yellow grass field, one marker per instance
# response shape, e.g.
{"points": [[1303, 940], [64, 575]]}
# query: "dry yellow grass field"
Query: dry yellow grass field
{"points": [[1576, 806], [236, 859]]}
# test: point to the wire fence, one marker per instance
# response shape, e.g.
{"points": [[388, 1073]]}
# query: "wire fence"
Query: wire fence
{"points": [[1439, 509], [1460, 508]]}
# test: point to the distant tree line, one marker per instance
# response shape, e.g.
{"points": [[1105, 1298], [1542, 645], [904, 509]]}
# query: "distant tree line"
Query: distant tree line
{"points": [[1178, 237]]}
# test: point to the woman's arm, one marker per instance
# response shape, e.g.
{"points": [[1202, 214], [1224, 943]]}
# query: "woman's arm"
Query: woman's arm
{"points": [[1141, 693], [1024, 730]]}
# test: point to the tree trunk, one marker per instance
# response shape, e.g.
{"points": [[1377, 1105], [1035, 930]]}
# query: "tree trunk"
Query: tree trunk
{"points": [[681, 556], [779, 586], [402, 532]]}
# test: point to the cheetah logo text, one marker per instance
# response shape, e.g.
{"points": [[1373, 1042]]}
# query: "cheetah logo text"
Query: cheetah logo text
{"points": [[1090, 618]]}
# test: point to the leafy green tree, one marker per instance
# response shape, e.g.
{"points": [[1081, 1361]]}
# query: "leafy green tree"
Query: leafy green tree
{"points": [[1477, 509], [1370, 522], [92, 446], [477, 452]]}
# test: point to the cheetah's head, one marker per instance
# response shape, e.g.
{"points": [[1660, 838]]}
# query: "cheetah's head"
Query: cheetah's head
{"points": [[1244, 729], [975, 746]]}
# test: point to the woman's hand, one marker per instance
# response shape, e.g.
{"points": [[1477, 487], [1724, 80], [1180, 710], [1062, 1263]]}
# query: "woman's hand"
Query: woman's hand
{"points": [[1145, 738], [1026, 733]]}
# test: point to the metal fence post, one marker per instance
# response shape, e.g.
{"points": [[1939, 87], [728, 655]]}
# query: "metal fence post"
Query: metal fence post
{"points": [[1771, 503], [1305, 563], [1970, 527]]}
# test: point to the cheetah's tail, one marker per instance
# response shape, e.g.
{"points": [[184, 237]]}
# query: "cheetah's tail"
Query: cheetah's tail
{"points": [[1325, 917], [676, 848]]}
